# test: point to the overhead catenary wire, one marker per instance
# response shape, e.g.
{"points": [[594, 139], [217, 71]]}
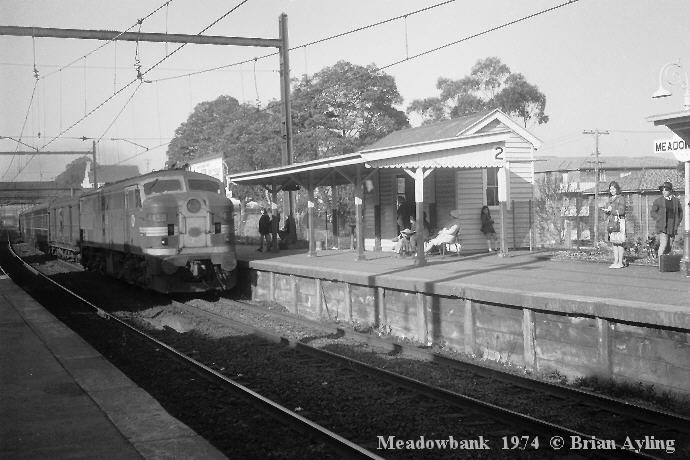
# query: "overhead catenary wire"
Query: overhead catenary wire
{"points": [[131, 96], [109, 41], [479, 34], [26, 117], [311, 43], [167, 56]]}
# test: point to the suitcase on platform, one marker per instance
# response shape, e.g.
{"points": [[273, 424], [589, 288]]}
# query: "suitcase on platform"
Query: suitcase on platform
{"points": [[669, 262]]}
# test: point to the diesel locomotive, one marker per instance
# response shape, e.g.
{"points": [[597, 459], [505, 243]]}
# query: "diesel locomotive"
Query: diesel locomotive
{"points": [[170, 231]]}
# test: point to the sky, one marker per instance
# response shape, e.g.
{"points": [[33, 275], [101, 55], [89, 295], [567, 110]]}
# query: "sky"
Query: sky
{"points": [[597, 62]]}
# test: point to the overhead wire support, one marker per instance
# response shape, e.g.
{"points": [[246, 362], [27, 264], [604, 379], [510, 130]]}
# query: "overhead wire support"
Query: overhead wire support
{"points": [[70, 33], [305, 45], [116, 36]]}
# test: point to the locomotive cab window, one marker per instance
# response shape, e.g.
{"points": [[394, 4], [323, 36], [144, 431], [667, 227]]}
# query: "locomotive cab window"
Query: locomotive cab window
{"points": [[162, 186], [203, 185], [133, 199]]}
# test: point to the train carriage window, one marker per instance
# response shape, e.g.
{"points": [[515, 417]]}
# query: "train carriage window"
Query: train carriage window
{"points": [[204, 185], [162, 186]]}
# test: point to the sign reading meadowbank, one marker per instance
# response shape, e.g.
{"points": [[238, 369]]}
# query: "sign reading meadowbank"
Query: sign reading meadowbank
{"points": [[675, 145]]}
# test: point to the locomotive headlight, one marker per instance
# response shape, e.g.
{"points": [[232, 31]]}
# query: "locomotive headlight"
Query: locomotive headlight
{"points": [[164, 241], [157, 217], [193, 205]]}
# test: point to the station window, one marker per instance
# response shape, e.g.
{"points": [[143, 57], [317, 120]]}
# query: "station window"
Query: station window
{"points": [[491, 186]]}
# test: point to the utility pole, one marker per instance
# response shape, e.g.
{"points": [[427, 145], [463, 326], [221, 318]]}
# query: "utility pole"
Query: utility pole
{"points": [[596, 133]]}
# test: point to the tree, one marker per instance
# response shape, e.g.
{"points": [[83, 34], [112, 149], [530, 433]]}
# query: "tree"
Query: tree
{"points": [[247, 137], [522, 100], [338, 110], [489, 85], [73, 175], [342, 108]]}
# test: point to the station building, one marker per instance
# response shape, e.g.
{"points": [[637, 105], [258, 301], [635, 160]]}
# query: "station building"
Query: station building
{"points": [[457, 165]]}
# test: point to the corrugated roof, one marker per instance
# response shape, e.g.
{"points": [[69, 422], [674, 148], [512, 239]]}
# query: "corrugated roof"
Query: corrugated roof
{"points": [[428, 133], [607, 162]]}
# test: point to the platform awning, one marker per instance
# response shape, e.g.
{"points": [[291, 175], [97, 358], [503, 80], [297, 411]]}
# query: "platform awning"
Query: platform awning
{"points": [[475, 151], [337, 170]]}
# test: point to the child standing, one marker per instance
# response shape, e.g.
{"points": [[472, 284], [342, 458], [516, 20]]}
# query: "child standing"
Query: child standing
{"points": [[488, 226]]}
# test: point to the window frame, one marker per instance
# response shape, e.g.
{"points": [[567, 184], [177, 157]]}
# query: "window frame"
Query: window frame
{"points": [[486, 187]]}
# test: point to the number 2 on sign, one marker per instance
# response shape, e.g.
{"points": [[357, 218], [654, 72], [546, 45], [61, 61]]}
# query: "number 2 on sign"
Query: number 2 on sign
{"points": [[499, 152]]}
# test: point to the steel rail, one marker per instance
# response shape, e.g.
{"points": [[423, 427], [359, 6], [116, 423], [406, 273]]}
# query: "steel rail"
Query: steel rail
{"points": [[645, 414], [500, 414], [317, 432]]}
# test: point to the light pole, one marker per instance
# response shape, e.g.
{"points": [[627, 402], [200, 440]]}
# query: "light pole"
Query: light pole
{"points": [[674, 74]]}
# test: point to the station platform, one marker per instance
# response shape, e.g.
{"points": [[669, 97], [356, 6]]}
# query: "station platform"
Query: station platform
{"points": [[576, 319], [637, 293], [59, 398]]}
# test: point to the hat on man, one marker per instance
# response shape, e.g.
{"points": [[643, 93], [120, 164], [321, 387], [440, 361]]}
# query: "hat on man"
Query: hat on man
{"points": [[455, 213], [666, 185]]}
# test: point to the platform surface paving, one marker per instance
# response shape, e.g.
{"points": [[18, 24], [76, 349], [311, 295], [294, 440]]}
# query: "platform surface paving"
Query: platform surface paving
{"points": [[59, 398]]}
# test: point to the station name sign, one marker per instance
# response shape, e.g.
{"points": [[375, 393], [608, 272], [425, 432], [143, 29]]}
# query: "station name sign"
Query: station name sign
{"points": [[679, 147]]}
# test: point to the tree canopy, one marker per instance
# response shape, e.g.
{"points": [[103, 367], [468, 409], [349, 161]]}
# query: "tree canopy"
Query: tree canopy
{"points": [[489, 85], [73, 175], [342, 108], [337, 110]]}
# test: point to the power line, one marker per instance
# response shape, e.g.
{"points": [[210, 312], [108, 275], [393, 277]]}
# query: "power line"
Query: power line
{"points": [[305, 45], [26, 117], [469, 37], [596, 133], [139, 77], [138, 23]]}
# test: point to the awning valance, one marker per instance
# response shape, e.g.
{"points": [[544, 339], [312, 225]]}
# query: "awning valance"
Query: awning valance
{"points": [[481, 156]]}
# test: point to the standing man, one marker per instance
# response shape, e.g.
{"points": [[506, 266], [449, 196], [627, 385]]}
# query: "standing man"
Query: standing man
{"points": [[264, 230], [667, 212]]}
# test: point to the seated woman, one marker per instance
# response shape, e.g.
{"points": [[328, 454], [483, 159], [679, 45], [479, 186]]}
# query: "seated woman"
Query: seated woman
{"points": [[447, 234]]}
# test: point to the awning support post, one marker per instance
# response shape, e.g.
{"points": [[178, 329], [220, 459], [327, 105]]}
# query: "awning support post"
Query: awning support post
{"points": [[359, 234], [310, 219]]}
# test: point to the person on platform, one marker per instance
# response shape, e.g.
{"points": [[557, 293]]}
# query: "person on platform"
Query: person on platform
{"points": [[667, 213], [487, 227], [420, 233], [264, 230], [403, 214], [447, 234], [615, 210]]}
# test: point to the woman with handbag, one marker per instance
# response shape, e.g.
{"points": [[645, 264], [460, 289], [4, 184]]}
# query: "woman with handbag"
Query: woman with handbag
{"points": [[615, 223]]}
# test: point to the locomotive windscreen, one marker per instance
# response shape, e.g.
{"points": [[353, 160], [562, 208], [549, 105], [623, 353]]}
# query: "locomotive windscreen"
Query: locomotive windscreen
{"points": [[203, 185], [162, 186]]}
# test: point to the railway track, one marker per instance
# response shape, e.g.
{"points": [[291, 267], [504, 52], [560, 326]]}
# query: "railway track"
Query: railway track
{"points": [[613, 414], [335, 445], [466, 418], [666, 420]]}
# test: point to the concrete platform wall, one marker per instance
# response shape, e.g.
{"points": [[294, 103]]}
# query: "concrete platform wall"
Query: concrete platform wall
{"points": [[569, 344]]}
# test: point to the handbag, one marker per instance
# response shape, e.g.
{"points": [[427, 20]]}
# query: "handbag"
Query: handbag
{"points": [[614, 224], [619, 236]]}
